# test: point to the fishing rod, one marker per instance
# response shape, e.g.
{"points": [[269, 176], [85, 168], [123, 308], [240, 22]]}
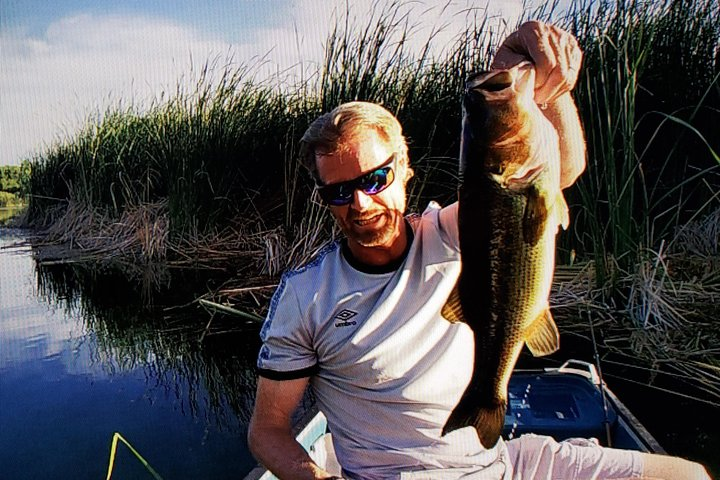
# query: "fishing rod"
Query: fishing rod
{"points": [[606, 420], [664, 390]]}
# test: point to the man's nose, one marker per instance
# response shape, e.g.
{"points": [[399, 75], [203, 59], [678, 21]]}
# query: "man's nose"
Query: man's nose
{"points": [[361, 200]]}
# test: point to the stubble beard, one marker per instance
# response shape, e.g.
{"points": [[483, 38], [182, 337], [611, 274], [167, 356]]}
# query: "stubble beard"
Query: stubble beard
{"points": [[380, 236]]}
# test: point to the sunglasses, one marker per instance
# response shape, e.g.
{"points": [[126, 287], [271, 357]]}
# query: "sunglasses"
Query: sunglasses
{"points": [[371, 183]]}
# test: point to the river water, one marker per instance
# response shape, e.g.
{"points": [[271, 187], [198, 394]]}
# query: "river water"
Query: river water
{"points": [[82, 357], [73, 373]]}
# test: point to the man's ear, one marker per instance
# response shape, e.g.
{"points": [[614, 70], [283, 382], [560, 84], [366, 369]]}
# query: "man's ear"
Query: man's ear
{"points": [[409, 173]]}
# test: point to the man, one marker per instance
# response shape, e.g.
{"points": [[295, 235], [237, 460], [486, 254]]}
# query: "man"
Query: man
{"points": [[361, 323]]}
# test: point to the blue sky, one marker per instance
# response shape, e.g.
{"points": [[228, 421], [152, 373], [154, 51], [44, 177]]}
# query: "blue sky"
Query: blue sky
{"points": [[226, 19], [63, 61]]}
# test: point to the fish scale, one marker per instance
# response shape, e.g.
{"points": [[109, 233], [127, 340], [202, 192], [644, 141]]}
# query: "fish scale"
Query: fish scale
{"points": [[510, 206]]}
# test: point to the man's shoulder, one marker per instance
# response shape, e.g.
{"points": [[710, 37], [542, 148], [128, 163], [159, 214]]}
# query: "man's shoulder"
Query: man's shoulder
{"points": [[294, 278], [326, 253], [436, 222], [434, 214]]}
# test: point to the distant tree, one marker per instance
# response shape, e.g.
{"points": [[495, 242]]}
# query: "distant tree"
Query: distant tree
{"points": [[24, 178], [15, 179]]}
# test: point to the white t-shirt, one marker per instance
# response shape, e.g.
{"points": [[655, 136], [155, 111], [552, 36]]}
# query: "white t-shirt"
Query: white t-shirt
{"points": [[385, 367]]}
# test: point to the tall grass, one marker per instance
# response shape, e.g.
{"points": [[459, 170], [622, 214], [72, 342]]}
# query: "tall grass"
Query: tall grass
{"points": [[209, 176], [221, 158], [206, 152], [649, 98], [223, 155]]}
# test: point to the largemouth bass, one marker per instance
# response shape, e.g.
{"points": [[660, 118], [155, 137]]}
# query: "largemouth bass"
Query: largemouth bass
{"points": [[510, 206]]}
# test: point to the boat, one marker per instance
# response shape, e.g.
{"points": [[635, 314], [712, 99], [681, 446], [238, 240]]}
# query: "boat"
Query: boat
{"points": [[564, 402]]}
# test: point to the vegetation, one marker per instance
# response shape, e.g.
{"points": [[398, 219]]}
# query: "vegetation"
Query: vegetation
{"points": [[647, 212], [649, 98], [14, 182], [210, 176], [15, 178], [8, 200]]}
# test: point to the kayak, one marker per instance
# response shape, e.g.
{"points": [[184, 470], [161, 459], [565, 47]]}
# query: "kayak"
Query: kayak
{"points": [[569, 401]]}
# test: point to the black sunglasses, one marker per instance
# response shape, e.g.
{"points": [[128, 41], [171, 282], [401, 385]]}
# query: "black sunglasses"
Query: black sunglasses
{"points": [[371, 183]]}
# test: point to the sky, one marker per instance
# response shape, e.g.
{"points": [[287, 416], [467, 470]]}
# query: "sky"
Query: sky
{"points": [[64, 62]]}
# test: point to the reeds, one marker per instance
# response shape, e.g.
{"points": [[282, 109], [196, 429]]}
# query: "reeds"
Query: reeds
{"points": [[223, 154], [209, 177], [648, 98], [664, 311], [221, 158]]}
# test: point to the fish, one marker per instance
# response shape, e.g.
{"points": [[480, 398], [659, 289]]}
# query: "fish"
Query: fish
{"points": [[510, 207]]}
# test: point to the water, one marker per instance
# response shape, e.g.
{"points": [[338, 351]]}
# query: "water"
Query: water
{"points": [[73, 372], [80, 360]]}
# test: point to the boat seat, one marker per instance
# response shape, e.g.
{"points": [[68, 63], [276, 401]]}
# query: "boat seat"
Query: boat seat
{"points": [[562, 406]]}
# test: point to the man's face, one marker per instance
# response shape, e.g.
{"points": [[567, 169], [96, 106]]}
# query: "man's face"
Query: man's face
{"points": [[368, 220]]}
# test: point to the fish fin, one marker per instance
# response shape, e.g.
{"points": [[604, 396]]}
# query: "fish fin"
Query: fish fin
{"points": [[461, 416], [488, 421], [452, 310], [563, 211], [536, 214], [543, 337], [489, 424]]}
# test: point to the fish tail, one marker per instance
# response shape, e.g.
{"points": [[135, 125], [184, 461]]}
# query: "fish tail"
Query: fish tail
{"points": [[489, 424], [488, 421], [461, 416]]}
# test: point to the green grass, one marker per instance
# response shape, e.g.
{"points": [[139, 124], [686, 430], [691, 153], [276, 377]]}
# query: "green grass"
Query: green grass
{"points": [[222, 156], [8, 200], [648, 98]]}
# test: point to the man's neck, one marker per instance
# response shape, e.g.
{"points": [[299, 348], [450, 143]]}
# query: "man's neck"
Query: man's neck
{"points": [[378, 259]]}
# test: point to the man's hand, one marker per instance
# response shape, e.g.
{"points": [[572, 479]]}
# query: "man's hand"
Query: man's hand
{"points": [[557, 58], [555, 53]]}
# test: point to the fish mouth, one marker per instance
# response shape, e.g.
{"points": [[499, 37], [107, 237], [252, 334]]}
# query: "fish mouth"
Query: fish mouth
{"points": [[493, 82], [520, 179]]}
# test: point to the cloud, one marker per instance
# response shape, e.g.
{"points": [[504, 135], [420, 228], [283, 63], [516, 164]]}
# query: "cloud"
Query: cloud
{"points": [[82, 64]]}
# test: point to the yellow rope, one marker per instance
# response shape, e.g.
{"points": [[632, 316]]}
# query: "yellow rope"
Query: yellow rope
{"points": [[113, 451]]}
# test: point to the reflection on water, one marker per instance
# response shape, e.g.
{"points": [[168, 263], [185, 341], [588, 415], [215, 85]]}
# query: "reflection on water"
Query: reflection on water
{"points": [[81, 358]]}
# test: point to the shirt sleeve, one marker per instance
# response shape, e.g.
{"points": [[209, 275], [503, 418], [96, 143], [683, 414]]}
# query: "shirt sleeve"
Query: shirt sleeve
{"points": [[448, 223], [286, 352]]}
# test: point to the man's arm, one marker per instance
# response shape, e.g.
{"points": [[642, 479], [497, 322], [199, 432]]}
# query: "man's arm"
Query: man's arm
{"points": [[270, 433], [557, 58], [563, 114]]}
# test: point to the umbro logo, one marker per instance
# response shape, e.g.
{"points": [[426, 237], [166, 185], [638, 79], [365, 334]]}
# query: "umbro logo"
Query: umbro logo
{"points": [[343, 318]]}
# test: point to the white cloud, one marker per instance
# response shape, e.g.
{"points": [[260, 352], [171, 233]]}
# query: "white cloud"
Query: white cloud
{"points": [[82, 64]]}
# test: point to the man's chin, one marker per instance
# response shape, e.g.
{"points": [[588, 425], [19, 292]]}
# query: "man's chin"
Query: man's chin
{"points": [[370, 241], [371, 238]]}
